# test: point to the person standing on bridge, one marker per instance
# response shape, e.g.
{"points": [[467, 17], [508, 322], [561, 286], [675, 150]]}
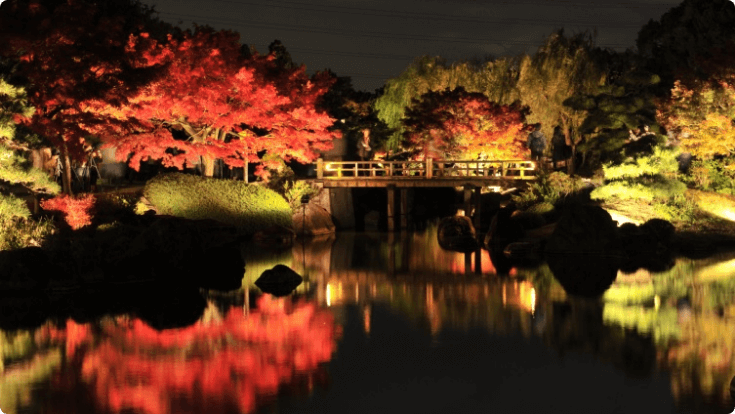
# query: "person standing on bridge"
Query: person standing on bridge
{"points": [[536, 143], [364, 151], [363, 145]]}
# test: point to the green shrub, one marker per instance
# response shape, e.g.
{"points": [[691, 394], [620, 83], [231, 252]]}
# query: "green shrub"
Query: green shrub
{"points": [[19, 233], [249, 207], [12, 207], [548, 189], [646, 178], [712, 175], [659, 188]]}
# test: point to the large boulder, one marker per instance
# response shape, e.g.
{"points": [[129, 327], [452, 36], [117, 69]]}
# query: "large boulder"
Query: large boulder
{"points": [[504, 229], [583, 275], [648, 245], [312, 220], [174, 250], [585, 229], [660, 229], [456, 233], [281, 280]]}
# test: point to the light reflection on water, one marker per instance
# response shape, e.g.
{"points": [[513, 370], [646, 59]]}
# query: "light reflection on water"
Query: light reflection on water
{"points": [[392, 323]]}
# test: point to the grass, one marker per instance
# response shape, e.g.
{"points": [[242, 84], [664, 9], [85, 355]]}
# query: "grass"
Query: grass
{"points": [[248, 207]]}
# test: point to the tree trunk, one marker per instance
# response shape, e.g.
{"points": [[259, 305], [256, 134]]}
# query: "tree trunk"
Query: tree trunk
{"points": [[208, 166], [66, 173]]}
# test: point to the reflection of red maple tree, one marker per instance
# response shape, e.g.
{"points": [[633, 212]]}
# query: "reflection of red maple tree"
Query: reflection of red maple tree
{"points": [[222, 362]]}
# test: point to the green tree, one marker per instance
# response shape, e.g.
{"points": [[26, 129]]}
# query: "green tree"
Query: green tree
{"points": [[426, 73], [561, 68], [16, 230], [624, 102]]}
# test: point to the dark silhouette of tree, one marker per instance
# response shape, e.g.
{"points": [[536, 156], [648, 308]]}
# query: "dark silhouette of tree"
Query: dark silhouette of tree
{"points": [[684, 35]]}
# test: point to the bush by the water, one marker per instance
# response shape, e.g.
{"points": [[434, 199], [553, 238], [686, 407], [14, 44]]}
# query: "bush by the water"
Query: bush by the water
{"points": [[249, 207]]}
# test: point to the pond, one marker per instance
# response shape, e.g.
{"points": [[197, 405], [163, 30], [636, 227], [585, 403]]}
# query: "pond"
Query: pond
{"points": [[388, 323]]}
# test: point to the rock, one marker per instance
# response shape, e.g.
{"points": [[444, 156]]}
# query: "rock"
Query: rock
{"points": [[583, 275], [647, 246], [168, 248], [281, 280], [662, 230], [524, 251], [585, 229], [168, 307], [313, 220], [25, 269], [503, 230], [457, 234]]}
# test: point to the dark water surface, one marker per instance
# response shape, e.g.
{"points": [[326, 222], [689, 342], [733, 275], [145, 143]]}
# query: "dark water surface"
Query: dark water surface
{"points": [[393, 324]]}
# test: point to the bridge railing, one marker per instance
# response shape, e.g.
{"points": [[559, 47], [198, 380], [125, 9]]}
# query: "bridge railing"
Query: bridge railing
{"points": [[430, 169]]}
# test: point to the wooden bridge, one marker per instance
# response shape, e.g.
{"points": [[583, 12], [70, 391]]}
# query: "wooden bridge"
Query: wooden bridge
{"points": [[472, 175], [427, 173]]}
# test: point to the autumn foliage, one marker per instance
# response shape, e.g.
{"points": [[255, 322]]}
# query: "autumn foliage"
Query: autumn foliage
{"points": [[700, 110], [214, 102], [77, 56], [77, 211], [461, 125]]}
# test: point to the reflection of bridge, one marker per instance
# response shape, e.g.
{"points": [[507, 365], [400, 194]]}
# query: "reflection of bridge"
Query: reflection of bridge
{"points": [[471, 175]]}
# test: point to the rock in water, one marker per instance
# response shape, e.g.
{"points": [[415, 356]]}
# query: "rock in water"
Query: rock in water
{"points": [[281, 280], [312, 220], [457, 234], [585, 229], [504, 229]]}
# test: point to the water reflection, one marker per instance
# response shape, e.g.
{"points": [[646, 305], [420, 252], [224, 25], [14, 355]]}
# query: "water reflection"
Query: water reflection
{"points": [[222, 363], [396, 318]]}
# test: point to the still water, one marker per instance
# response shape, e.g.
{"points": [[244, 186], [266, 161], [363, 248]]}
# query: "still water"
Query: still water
{"points": [[393, 324]]}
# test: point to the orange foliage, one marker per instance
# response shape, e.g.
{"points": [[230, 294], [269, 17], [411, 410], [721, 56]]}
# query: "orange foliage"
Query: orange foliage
{"points": [[77, 210], [462, 125]]}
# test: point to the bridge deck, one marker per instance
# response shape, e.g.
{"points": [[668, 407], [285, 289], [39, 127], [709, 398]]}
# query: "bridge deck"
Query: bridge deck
{"points": [[427, 173]]}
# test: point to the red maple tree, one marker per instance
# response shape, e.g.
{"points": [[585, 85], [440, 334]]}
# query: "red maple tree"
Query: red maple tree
{"points": [[215, 102], [77, 55], [461, 125]]}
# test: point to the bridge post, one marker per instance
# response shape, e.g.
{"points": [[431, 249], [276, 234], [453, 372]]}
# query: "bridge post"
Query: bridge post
{"points": [[391, 207], [429, 167], [404, 208], [478, 203], [319, 168]]}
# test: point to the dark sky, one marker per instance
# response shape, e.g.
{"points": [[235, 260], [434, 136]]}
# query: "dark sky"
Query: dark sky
{"points": [[373, 40]]}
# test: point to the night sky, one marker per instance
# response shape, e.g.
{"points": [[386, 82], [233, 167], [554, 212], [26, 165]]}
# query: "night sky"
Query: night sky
{"points": [[374, 40]]}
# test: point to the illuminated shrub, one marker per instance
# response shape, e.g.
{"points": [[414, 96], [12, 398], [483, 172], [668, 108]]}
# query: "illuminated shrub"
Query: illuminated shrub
{"points": [[77, 211], [249, 207], [547, 190], [650, 180], [713, 175]]}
